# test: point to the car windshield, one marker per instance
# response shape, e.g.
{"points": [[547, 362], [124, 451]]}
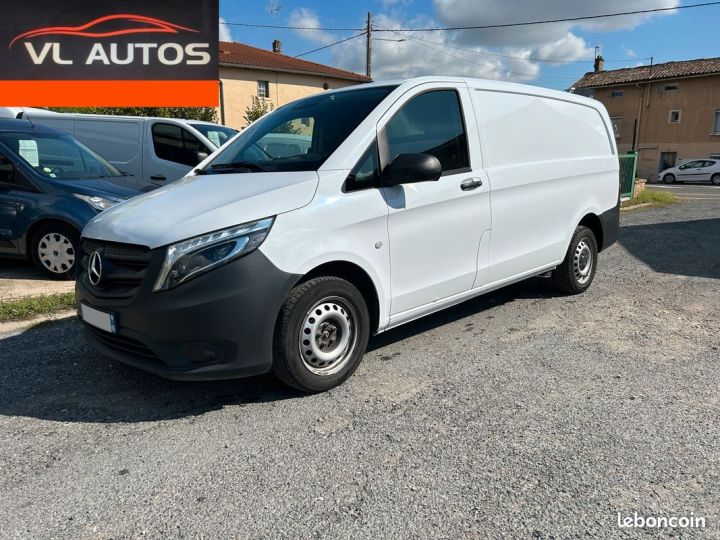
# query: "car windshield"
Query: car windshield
{"points": [[218, 135], [58, 156], [299, 136]]}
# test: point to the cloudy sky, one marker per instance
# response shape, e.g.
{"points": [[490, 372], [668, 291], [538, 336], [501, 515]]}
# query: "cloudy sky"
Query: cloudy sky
{"points": [[553, 55]]}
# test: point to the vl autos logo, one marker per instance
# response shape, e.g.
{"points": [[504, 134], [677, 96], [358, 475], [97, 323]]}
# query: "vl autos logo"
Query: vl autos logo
{"points": [[108, 41]]}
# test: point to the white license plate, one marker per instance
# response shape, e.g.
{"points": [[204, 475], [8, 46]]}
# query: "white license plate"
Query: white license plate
{"points": [[98, 319]]}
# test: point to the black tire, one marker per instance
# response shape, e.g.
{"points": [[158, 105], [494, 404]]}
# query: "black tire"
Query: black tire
{"points": [[669, 178], [60, 268], [715, 179], [568, 276], [301, 370]]}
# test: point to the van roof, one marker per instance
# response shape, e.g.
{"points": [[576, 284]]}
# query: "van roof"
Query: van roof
{"points": [[8, 124], [481, 84]]}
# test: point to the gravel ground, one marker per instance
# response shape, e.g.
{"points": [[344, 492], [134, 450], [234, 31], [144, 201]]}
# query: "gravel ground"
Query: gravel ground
{"points": [[20, 278], [520, 414]]}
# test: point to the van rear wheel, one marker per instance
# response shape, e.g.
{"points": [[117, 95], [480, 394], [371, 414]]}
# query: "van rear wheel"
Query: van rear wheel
{"points": [[577, 271], [321, 334]]}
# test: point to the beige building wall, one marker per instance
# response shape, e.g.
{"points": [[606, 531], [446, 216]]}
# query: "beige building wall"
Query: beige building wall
{"points": [[697, 100], [240, 84]]}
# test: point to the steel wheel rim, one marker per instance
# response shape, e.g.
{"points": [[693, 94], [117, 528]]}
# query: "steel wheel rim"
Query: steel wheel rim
{"points": [[56, 253], [583, 262], [328, 336]]}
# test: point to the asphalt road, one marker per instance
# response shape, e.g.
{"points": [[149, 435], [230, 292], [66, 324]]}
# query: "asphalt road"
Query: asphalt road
{"points": [[521, 414]]}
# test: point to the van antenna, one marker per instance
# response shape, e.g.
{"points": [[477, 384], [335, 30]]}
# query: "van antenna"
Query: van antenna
{"points": [[28, 118]]}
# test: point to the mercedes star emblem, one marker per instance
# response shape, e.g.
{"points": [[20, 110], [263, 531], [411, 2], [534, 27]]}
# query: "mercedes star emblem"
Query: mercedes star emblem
{"points": [[95, 268]]}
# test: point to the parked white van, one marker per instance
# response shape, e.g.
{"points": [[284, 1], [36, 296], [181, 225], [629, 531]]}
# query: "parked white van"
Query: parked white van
{"points": [[412, 197], [151, 151]]}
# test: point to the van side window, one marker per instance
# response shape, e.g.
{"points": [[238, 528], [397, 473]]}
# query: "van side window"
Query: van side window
{"points": [[431, 123], [366, 173], [174, 143]]}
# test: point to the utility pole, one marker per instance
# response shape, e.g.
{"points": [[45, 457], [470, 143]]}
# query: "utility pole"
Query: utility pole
{"points": [[368, 46]]}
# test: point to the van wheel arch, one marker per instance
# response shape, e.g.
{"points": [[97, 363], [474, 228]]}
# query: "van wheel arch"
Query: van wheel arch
{"points": [[358, 277], [592, 222], [32, 230]]}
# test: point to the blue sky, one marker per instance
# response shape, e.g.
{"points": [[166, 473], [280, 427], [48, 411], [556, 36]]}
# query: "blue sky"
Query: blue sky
{"points": [[678, 35]]}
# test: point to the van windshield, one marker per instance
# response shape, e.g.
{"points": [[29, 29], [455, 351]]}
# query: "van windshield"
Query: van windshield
{"points": [[218, 135], [58, 156], [299, 136]]}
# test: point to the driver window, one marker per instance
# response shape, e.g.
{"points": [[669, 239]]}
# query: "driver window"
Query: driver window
{"points": [[431, 123], [173, 143], [7, 171]]}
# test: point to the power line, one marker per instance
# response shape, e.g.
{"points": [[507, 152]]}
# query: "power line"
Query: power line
{"points": [[484, 27], [550, 21], [330, 45], [527, 58]]}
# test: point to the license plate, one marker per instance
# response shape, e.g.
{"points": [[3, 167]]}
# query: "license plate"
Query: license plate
{"points": [[98, 319]]}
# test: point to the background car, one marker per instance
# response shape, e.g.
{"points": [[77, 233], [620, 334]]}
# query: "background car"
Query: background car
{"points": [[696, 170], [50, 187], [152, 151]]}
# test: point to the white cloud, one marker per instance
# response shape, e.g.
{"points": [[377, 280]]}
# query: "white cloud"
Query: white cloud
{"points": [[506, 53], [225, 33], [488, 12], [630, 53], [306, 18], [568, 47]]}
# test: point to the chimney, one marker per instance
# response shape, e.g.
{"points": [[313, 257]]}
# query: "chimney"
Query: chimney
{"points": [[277, 46], [599, 63]]}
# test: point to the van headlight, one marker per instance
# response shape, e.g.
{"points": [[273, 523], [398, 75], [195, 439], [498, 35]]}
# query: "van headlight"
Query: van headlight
{"points": [[97, 203], [190, 258]]}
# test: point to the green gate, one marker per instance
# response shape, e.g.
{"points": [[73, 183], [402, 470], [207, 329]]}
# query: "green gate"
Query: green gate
{"points": [[628, 166]]}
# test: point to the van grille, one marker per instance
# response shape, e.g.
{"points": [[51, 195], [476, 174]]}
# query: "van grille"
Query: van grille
{"points": [[124, 268]]}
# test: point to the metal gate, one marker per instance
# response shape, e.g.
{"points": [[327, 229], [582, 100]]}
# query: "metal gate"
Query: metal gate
{"points": [[628, 166]]}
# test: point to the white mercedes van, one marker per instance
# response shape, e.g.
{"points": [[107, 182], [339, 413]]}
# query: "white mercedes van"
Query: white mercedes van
{"points": [[410, 197]]}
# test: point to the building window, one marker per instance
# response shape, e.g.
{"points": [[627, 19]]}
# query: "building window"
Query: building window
{"points": [[616, 124], [674, 117], [617, 93], [670, 88], [263, 89], [717, 123]]}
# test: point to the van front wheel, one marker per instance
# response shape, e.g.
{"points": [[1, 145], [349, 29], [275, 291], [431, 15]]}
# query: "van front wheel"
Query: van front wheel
{"points": [[321, 334], [577, 271]]}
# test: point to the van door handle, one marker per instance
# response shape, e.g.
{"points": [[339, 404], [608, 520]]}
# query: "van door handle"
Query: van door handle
{"points": [[469, 185], [158, 177]]}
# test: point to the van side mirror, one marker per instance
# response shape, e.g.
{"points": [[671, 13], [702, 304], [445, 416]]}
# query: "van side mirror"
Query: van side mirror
{"points": [[412, 168]]}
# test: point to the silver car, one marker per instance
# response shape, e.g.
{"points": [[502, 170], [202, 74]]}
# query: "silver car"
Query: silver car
{"points": [[696, 170]]}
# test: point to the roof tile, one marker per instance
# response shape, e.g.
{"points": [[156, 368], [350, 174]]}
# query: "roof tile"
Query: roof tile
{"points": [[668, 70], [239, 54]]}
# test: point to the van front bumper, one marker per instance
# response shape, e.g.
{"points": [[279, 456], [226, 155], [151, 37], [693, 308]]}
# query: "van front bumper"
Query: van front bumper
{"points": [[217, 326]]}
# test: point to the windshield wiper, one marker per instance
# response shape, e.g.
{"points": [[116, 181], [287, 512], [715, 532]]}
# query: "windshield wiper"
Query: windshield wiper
{"points": [[235, 165]]}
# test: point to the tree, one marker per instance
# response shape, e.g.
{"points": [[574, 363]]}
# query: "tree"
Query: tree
{"points": [[207, 114], [257, 109]]}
